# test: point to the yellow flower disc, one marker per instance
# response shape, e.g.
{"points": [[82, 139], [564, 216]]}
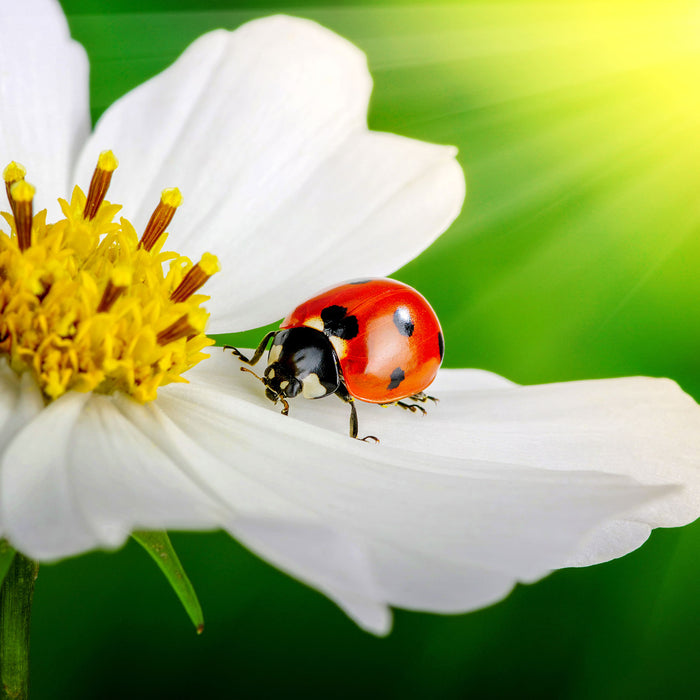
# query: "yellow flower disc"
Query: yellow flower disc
{"points": [[85, 304]]}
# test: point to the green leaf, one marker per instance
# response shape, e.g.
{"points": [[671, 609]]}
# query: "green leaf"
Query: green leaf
{"points": [[158, 545], [7, 554]]}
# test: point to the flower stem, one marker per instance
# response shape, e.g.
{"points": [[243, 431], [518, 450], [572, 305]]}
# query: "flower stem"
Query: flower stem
{"points": [[15, 613]]}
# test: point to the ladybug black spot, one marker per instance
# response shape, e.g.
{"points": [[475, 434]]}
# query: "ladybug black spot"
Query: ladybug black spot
{"points": [[402, 320], [337, 322], [397, 376], [441, 345]]}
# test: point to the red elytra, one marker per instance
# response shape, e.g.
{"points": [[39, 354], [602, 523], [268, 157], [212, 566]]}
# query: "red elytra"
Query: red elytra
{"points": [[394, 349]]}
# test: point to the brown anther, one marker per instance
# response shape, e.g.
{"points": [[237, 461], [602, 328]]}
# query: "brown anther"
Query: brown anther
{"points": [[106, 165], [182, 328], [22, 198], [170, 200], [117, 284], [14, 172], [195, 277]]}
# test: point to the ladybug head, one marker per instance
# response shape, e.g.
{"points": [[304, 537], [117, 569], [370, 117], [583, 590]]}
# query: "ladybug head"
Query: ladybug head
{"points": [[278, 385], [280, 380], [301, 361]]}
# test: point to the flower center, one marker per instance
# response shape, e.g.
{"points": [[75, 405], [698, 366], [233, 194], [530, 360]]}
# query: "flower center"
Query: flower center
{"points": [[88, 305]]}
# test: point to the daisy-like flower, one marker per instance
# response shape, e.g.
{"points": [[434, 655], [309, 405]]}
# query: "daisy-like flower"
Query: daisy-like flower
{"points": [[113, 420]]}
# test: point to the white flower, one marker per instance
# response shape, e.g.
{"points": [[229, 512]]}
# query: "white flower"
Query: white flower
{"points": [[264, 130]]}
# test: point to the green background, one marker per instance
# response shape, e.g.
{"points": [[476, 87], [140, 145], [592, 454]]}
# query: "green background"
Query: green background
{"points": [[576, 255]]}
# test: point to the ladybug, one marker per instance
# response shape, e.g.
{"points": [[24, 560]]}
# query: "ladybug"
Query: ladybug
{"points": [[376, 340]]}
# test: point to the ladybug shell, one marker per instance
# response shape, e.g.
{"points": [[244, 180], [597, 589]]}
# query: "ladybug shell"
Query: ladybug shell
{"points": [[386, 335]]}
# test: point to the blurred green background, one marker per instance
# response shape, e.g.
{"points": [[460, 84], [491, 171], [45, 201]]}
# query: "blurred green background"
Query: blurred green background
{"points": [[577, 255]]}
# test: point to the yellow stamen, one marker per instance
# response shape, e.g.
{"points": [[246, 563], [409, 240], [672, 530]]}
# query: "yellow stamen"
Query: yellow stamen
{"points": [[116, 285], [84, 307], [170, 200], [187, 325], [14, 172], [22, 198], [106, 165], [196, 277]]}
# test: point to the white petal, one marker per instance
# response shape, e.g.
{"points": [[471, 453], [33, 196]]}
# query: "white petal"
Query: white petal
{"points": [[20, 401], [81, 476], [372, 206], [324, 558], [38, 507], [641, 427], [432, 582], [428, 532], [44, 101], [264, 130], [609, 541], [644, 428]]}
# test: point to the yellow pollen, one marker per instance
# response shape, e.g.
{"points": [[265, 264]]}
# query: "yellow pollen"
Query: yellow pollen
{"points": [[171, 197], [84, 307], [22, 191], [209, 264], [107, 161], [170, 200], [196, 276], [14, 172], [122, 275]]}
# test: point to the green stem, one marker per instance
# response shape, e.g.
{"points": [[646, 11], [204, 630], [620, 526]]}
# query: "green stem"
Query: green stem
{"points": [[15, 613]]}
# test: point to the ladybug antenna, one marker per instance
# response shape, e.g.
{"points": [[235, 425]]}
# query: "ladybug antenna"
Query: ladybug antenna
{"points": [[273, 394], [250, 371]]}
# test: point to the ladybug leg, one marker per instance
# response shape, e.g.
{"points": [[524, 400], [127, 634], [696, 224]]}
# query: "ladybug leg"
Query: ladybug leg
{"points": [[423, 397], [412, 407], [256, 355], [285, 404], [344, 395]]}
